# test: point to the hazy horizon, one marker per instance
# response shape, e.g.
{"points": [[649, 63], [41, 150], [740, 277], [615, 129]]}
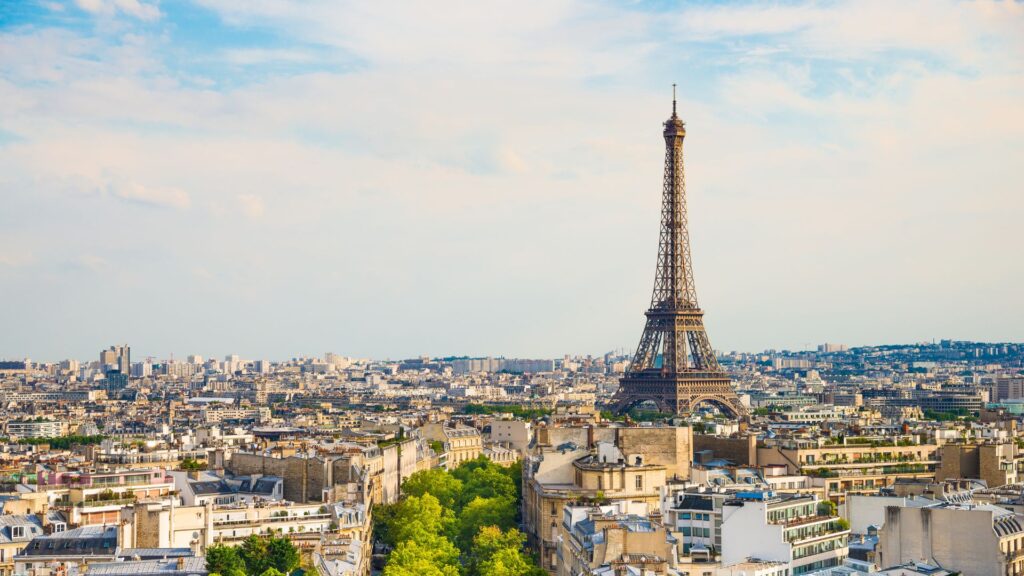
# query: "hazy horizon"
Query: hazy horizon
{"points": [[276, 180]]}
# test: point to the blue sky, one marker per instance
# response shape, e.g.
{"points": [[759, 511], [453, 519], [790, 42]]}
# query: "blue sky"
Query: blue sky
{"points": [[391, 179]]}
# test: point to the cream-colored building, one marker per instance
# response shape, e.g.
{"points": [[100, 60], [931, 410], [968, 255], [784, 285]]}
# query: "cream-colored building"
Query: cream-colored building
{"points": [[852, 465], [516, 434], [596, 540], [197, 527], [979, 540], [996, 462], [591, 464], [461, 443]]}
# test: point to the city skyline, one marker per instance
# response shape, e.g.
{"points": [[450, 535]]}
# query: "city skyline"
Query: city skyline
{"points": [[157, 357], [217, 175]]}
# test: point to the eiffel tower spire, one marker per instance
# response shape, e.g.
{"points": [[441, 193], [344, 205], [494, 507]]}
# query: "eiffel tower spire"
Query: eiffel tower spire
{"points": [[674, 365]]}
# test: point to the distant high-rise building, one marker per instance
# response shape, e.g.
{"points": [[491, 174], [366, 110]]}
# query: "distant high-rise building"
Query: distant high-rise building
{"points": [[1009, 388], [142, 369], [829, 348], [124, 359], [118, 358], [337, 361], [194, 359]]}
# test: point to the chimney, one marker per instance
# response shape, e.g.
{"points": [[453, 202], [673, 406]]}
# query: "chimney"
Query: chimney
{"points": [[590, 437], [193, 474], [181, 563]]}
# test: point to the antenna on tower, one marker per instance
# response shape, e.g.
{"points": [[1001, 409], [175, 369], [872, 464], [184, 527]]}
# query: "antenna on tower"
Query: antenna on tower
{"points": [[673, 99]]}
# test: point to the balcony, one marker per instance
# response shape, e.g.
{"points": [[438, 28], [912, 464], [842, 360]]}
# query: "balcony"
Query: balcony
{"points": [[805, 520], [270, 519], [111, 502], [816, 528]]}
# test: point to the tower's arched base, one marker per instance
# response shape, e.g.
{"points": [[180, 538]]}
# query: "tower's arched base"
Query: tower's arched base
{"points": [[680, 394]]}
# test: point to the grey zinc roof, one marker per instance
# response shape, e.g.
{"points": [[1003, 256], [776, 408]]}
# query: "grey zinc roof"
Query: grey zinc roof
{"points": [[191, 565], [154, 553], [265, 486], [33, 527], [201, 487], [84, 541], [695, 503]]}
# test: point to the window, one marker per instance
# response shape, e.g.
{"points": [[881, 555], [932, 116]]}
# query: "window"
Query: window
{"points": [[639, 482], [685, 516], [17, 532]]}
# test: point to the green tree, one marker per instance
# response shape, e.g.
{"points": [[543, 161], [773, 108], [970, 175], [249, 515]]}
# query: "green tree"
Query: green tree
{"points": [[480, 512], [223, 560], [255, 552], [282, 555], [272, 572], [190, 463], [488, 482], [465, 470], [507, 562], [827, 508], [439, 483], [515, 473], [498, 553], [416, 518], [432, 554]]}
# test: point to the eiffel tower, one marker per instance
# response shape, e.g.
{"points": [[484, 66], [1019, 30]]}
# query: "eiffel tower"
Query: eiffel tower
{"points": [[674, 365]]}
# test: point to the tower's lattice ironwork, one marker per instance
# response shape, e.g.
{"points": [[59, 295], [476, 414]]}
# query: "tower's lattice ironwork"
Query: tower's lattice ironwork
{"points": [[674, 365]]}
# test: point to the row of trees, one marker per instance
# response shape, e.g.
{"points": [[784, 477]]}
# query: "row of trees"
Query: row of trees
{"points": [[459, 523], [61, 442], [257, 556], [526, 412]]}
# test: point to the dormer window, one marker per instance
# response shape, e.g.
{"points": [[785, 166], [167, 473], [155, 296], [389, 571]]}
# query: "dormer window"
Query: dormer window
{"points": [[17, 531], [59, 527]]}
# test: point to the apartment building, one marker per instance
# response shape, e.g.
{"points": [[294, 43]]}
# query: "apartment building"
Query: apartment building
{"points": [[516, 434], [96, 498], [37, 428], [571, 465], [974, 539], [16, 531], [852, 464], [461, 443], [599, 540], [783, 528], [996, 462], [67, 553], [217, 413]]}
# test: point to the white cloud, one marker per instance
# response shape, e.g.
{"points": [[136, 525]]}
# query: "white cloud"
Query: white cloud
{"points": [[134, 8], [251, 205], [161, 197], [867, 29], [482, 150], [253, 56], [16, 259], [92, 262]]}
